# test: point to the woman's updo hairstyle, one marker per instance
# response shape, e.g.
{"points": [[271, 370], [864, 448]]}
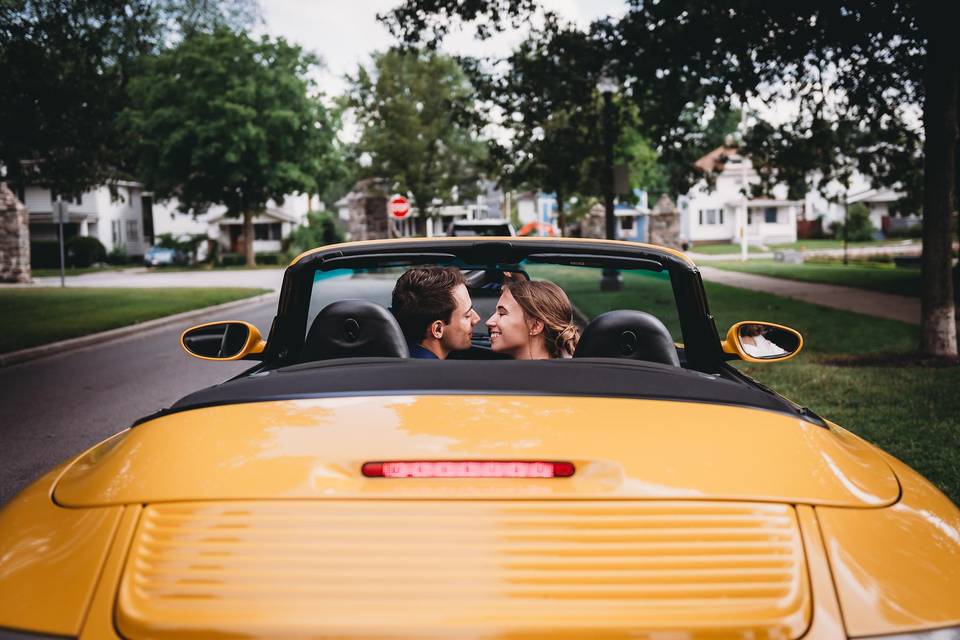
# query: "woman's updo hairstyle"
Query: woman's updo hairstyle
{"points": [[546, 302]]}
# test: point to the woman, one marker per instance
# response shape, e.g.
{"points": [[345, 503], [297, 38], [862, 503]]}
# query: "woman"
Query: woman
{"points": [[533, 321]]}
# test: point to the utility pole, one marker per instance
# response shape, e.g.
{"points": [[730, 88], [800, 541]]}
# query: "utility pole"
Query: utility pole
{"points": [[611, 279], [846, 226], [60, 213]]}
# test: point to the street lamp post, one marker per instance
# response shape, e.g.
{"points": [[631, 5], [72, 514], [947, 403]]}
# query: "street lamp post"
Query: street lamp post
{"points": [[611, 280]]}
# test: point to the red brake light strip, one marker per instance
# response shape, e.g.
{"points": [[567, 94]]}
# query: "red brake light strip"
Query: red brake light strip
{"points": [[468, 469]]}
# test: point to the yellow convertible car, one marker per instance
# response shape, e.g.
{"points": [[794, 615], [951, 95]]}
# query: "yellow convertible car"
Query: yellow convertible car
{"points": [[643, 488]]}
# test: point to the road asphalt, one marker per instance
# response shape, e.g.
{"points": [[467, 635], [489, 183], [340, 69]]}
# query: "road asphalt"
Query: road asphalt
{"points": [[56, 407]]}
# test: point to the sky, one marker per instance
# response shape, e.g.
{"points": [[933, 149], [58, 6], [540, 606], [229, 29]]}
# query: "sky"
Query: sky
{"points": [[344, 34]]}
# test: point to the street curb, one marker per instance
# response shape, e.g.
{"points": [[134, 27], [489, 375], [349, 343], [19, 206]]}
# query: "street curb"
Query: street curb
{"points": [[33, 353]]}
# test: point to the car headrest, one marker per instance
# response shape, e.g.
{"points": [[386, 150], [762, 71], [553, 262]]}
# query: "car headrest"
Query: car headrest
{"points": [[354, 329], [635, 335]]}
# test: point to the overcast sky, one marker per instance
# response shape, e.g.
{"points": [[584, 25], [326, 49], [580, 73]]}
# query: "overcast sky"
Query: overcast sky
{"points": [[344, 34]]}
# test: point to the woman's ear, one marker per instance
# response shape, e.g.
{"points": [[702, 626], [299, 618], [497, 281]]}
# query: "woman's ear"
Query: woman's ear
{"points": [[536, 327], [436, 329]]}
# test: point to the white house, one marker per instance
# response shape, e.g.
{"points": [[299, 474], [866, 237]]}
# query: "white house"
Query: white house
{"points": [[270, 228], [118, 215], [717, 214]]}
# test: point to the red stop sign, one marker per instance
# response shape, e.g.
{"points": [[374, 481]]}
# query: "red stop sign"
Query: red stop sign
{"points": [[398, 207]]}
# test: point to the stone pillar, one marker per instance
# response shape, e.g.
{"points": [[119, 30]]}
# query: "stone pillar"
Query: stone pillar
{"points": [[14, 238], [665, 223], [593, 224]]}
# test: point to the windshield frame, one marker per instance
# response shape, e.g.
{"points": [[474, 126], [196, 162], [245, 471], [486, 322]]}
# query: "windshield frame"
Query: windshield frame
{"points": [[701, 339]]}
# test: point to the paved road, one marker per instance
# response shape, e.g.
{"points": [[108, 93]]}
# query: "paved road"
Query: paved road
{"points": [[58, 406]]}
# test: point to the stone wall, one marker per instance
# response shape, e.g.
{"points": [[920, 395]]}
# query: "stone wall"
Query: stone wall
{"points": [[367, 204], [14, 238], [664, 227]]}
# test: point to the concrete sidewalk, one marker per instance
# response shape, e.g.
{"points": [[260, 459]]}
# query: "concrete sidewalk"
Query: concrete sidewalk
{"points": [[871, 303]]}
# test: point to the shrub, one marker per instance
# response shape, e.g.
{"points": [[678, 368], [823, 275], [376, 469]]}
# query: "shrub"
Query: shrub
{"points": [[860, 228], [229, 259], [44, 254], [83, 251], [913, 231], [268, 258], [118, 256], [321, 229]]}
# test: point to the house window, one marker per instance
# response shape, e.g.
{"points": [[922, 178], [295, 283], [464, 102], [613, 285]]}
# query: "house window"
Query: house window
{"points": [[721, 216], [267, 231], [115, 232], [770, 215], [709, 216], [133, 230], [626, 223]]}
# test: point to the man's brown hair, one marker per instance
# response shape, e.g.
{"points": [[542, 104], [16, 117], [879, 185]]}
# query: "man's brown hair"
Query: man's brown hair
{"points": [[423, 295]]}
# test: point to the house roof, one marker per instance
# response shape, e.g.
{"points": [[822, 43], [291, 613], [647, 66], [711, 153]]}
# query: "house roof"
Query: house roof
{"points": [[875, 195], [276, 214], [714, 161]]}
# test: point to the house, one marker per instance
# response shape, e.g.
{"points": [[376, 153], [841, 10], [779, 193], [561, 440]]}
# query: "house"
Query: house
{"points": [[118, 214], [270, 227], [719, 213], [538, 215]]}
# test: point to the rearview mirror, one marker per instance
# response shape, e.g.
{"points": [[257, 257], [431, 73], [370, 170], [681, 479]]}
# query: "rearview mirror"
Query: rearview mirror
{"points": [[230, 340], [755, 341]]}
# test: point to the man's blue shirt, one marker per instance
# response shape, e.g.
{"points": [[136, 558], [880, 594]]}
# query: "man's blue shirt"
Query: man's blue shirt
{"points": [[416, 351]]}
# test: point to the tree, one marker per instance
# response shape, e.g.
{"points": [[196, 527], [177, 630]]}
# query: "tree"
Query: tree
{"points": [[412, 109], [66, 65], [225, 119], [856, 70]]}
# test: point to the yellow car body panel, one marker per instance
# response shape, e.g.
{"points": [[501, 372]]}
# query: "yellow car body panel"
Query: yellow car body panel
{"points": [[897, 569], [465, 569], [50, 559], [314, 448]]}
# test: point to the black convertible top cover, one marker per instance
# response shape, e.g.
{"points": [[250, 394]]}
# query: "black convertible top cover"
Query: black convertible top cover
{"points": [[598, 377]]}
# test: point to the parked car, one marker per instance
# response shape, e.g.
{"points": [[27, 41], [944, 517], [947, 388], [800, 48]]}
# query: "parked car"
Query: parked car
{"points": [[644, 487], [485, 227], [164, 256]]}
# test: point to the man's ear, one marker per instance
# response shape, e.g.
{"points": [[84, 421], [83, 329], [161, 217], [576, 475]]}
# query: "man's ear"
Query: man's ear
{"points": [[536, 327], [436, 329]]}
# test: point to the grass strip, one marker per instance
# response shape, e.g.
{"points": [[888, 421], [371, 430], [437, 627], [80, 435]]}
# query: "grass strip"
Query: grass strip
{"points": [[874, 277], [38, 316]]}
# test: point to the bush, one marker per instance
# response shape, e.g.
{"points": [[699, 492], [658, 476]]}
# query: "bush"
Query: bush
{"points": [[268, 258], [230, 259], [860, 229], [118, 256], [83, 251], [44, 254], [187, 244], [322, 228], [913, 231]]}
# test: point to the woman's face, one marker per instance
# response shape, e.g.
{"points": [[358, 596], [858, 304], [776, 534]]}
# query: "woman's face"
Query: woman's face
{"points": [[508, 326]]}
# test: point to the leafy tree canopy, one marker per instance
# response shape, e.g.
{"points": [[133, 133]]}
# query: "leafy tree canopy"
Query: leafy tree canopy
{"points": [[66, 64], [225, 119], [412, 109], [857, 72]]}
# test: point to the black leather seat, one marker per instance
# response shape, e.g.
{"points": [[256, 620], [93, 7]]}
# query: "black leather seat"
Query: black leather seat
{"points": [[354, 329], [635, 335]]}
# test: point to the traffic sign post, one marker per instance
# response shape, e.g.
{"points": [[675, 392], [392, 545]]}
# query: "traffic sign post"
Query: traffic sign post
{"points": [[61, 214]]}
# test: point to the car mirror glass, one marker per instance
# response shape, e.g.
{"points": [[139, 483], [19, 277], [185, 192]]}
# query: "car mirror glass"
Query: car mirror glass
{"points": [[763, 341], [231, 340]]}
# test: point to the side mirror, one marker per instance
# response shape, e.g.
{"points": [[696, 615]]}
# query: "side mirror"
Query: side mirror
{"points": [[755, 341], [231, 340]]}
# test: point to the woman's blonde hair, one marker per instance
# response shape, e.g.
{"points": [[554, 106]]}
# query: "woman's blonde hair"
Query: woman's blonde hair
{"points": [[548, 303]]}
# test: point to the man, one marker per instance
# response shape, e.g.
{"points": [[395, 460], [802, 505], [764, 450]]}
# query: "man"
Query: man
{"points": [[435, 311]]}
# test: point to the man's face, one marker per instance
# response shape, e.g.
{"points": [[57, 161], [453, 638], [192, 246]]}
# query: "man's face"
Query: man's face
{"points": [[457, 334]]}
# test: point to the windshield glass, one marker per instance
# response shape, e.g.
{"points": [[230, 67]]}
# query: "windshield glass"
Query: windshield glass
{"points": [[642, 289]]}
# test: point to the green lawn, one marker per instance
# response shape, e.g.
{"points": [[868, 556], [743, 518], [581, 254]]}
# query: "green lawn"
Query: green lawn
{"points": [[71, 271], [808, 245], [885, 278], [912, 412], [37, 316]]}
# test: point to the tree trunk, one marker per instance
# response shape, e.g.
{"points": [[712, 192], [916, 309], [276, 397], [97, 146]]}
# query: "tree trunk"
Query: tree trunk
{"points": [[248, 238], [938, 330], [561, 216]]}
